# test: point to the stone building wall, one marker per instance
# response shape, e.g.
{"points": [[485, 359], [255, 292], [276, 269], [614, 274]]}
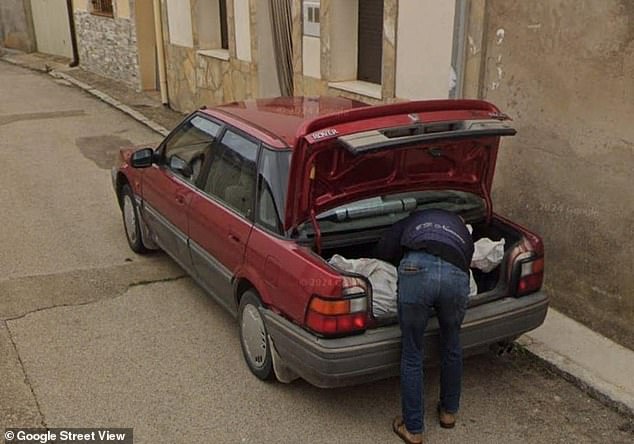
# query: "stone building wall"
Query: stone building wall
{"points": [[108, 46], [564, 71], [195, 79]]}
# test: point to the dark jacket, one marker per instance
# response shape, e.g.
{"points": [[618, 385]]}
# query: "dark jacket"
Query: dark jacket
{"points": [[438, 232]]}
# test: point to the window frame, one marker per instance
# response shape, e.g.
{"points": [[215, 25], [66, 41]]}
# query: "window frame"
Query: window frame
{"points": [[311, 18], [97, 8], [213, 15]]}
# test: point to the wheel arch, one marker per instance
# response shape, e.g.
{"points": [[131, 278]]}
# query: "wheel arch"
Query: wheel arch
{"points": [[120, 182], [244, 283], [241, 286]]}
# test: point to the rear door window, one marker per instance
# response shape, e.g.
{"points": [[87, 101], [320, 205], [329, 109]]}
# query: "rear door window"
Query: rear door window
{"points": [[232, 174], [272, 185]]}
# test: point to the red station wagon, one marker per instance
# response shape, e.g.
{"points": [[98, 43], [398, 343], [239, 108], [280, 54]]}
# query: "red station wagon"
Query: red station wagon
{"points": [[253, 198]]}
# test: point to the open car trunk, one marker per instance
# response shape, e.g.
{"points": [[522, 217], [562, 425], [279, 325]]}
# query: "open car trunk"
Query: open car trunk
{"points": [[491, 285], [354, 174]]}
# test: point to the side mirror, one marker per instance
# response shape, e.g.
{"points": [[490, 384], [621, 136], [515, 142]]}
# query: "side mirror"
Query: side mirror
{"points": [[181, 167], [142, 158]]}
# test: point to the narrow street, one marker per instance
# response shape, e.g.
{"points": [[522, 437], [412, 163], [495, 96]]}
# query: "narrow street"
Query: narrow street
{"points": [[93, 335]]}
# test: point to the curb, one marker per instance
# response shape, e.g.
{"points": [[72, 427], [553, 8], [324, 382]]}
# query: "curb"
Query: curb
{"points": [[93, 91], [603, 391], [112, 102]]}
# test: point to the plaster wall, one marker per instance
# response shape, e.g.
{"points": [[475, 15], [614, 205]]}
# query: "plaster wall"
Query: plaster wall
{"points": [[108, 45], [311, 56], [243, 29], [268, 84], [16, 27], [343, 18], [423, 54], [123, 8], [564, 70], [146, 42]]}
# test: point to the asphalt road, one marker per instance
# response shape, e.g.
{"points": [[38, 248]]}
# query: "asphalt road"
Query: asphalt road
{"points": [[93, 335]]}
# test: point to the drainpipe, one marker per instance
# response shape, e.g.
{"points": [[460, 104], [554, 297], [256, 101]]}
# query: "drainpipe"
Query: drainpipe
{"points": [[73, 35], [160, 51]]}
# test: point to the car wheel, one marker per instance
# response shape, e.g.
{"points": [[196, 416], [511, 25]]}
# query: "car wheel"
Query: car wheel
{"points": [[131, 221], [253, 337]]}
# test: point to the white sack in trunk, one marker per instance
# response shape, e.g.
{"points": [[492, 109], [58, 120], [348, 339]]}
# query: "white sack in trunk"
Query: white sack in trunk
{"points": [[383, 278], [473, 287], [488, 254]]}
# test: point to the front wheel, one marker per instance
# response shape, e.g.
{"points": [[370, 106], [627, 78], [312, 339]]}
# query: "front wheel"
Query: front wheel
{"points": [[254, 338], [131, 221]]}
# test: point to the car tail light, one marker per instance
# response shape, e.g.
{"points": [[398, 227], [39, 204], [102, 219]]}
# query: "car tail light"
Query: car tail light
{"points": [[531, 273], [339, 316]]}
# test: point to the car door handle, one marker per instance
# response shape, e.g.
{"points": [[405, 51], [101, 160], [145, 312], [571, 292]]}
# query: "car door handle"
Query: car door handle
{"points": [[180, 199], [234, 238]]}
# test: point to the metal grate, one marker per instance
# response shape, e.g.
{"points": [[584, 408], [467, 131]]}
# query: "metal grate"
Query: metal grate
{"points": [[102, 7]]}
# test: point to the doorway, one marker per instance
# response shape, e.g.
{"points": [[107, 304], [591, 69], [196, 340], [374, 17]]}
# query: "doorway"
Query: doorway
{"points": [[52, 30]]}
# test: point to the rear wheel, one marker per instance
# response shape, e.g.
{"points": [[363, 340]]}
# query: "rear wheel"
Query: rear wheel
{"points": [[131, 220], [253, 337]]}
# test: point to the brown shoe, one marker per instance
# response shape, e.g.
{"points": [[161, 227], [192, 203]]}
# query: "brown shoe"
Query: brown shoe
{"points": [[447, 420], [398, 425]]}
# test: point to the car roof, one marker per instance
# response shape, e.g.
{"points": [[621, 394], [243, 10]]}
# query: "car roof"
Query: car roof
{"points": [[276, 121]]}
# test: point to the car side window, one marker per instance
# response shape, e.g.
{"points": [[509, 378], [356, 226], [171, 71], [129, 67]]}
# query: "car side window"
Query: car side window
{"points": [[272, 184], [232, 173], [185, 151]]}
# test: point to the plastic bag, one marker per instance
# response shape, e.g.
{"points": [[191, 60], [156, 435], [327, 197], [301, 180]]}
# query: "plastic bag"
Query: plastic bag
{"points": [[488, 254], [383, 278]]}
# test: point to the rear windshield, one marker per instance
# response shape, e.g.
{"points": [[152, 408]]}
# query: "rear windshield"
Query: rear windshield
{"points": [[385, 210]]}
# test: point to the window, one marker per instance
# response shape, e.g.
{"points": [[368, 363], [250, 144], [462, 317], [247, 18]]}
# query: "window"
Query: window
{"points": [[311, 18], [370, 55], [102, 7], [232, 173], [212, 25], [356, 47], [272, 185], [185, 150]]}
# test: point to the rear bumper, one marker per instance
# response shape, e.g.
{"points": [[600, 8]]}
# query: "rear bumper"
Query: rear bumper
{"points": [[375, 354]]}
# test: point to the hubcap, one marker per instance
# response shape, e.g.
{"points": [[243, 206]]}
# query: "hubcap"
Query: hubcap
{"points": [[254, 336], [129, 218]]}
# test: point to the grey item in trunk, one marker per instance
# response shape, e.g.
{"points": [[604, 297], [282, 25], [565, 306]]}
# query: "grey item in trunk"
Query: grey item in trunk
{"points": [[383, 278]]}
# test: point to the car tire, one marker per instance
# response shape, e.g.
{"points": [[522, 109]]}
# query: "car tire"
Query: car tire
{"points": [[131, 222], [254, 338]]}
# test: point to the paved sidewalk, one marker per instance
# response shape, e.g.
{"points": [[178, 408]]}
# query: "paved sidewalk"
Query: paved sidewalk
{"points": [[593, 362], [602, 367]]}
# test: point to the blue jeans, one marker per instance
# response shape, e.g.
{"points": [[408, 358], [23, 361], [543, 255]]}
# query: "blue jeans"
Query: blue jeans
{"points": [[426, 282]]}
